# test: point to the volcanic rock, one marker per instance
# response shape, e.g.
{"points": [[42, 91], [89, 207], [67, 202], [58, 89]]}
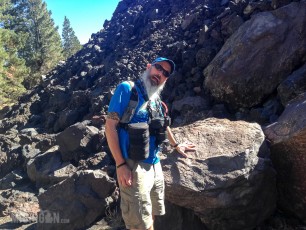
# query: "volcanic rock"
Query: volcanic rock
{"points": [[77, 201], [288, 149], [267, 48], [228, 178]]}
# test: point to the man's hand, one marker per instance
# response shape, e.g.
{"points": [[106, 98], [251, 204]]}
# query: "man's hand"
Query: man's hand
{"points": [[186, 146], [124, 175]]}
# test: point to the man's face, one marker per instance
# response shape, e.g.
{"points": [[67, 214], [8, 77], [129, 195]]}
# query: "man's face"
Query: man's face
{"points": [[156, 73]]}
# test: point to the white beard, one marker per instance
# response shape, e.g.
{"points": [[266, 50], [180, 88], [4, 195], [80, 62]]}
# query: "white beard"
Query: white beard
{"points": [[152, 90]]}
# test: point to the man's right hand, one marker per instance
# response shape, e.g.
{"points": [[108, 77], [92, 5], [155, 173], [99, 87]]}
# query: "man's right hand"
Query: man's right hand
{"points": [[124, 175]]}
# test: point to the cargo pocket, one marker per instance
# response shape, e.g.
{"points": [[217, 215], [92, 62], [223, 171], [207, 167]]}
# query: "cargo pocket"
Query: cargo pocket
{"points": [[131, 214]]}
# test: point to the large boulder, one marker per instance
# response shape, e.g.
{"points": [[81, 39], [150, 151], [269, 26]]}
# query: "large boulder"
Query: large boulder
{"points": [[259, 56], [78, 140], [76, 202], [288, 153], [229, 181], [48, 168]]}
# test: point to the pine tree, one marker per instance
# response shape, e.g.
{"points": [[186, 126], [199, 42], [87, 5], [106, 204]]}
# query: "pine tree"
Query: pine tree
{"points": [[43, 49], [71, 43], [45, 43], [12, 67]]}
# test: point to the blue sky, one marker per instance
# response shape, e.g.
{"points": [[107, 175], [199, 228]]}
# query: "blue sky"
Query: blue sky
{"points": [[85, 16]]}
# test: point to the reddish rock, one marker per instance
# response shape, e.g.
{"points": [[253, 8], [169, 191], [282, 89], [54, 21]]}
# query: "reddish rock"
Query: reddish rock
{"points": [[288, 153]]}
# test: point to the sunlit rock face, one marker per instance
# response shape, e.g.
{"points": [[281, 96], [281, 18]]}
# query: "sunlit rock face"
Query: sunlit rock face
{"points": [[228, 178]]}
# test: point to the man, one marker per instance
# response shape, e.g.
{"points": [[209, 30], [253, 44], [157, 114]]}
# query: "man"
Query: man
{"points": [[141, 183]]}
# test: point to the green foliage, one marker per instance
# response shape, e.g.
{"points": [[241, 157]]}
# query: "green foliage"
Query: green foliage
{"points": [[42, 49], [12, 68], [71, 43], [30, 46]]}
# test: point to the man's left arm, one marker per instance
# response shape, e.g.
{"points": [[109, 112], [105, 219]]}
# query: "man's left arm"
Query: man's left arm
{"points": [[180, 147]]}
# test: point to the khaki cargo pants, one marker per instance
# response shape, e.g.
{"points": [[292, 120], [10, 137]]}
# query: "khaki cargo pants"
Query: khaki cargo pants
{"points": [[145, 197]]}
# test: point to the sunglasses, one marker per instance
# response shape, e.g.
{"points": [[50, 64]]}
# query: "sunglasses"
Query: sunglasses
{"points": [[161, 69]]}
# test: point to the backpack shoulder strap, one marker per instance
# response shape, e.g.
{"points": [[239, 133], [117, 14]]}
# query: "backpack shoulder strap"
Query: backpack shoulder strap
{"points": [[130, 110]]}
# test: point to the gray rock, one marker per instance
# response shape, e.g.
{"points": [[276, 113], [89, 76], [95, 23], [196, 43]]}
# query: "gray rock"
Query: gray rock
{"points": [[267, 114], [237, 6], [197, 89], [10, 156], [26, 213], [230, 24], [279, 3], [66, 118], [252, 7], [205, 55], [28, 152], [219, 111], [29, 131], [204, 34], [288, 148], [12, 179], [47, 169], [21, 206], [58, 97], [294, 85], [256, 53], [100, 160], [77, 141], [225, 180], [84, 200], [4, 111], [191, 103], [224, 2], [189, 19]]}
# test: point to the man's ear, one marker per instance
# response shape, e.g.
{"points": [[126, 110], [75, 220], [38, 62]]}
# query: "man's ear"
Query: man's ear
{"points": [[148, 66]]}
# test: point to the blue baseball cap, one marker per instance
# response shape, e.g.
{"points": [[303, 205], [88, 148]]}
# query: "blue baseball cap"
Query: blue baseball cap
{"points": [[161, 59]]}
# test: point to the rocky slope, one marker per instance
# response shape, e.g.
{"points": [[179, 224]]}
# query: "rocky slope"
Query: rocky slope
{"points": [[236, 60]]}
